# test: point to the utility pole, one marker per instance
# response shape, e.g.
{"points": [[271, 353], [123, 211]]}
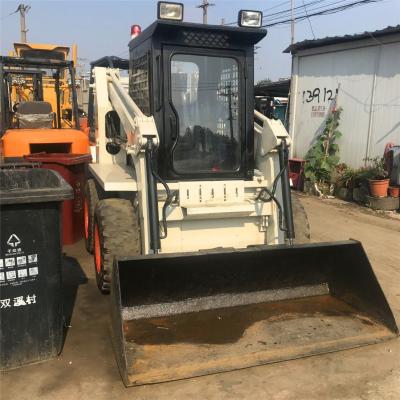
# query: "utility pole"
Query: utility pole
{"points": [[205, 6], [229, 94], [292, 18], [23, 9]]}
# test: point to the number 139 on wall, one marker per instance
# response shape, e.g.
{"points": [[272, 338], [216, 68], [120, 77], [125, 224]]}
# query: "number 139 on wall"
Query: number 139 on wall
{"points": [[319, 95]]}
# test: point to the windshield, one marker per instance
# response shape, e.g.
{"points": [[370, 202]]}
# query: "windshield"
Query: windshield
{"points": [[205, 95]]}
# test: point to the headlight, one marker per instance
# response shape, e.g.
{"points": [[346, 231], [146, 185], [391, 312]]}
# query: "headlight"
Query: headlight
{"points": [[250, 19], [173, 11]]}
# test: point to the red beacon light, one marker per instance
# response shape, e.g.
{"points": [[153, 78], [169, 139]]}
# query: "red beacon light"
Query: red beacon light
{"points": [[136, 30]]}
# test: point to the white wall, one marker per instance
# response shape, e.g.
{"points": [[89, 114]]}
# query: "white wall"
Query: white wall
{"points": [[368, 83], [386, 110]]}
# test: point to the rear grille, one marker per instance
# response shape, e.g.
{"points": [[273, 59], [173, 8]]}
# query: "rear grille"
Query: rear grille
{"points": [[205, 39], [139, 83]]}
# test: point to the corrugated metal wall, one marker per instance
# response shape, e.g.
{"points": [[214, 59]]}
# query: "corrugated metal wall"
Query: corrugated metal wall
{"points": [[367, 82]]}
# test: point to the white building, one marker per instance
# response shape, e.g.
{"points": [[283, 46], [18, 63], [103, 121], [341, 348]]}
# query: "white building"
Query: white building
{"points": [[363, 71]]}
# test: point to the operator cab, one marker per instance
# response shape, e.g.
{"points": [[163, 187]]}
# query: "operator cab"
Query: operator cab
{"points": [[197, 81]]}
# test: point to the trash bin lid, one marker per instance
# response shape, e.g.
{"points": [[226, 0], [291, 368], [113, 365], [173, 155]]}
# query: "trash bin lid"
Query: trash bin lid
{"points": [[60, 158], [36, 185]]}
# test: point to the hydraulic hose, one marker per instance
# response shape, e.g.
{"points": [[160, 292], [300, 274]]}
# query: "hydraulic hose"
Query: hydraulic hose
{"points": [[168, 200], [152, 199], [283, 152], [285, 213], [271, 197]]}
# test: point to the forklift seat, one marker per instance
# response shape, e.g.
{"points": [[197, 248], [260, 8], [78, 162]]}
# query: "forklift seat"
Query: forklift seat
{"points": [[35, 107], [34, 115]]}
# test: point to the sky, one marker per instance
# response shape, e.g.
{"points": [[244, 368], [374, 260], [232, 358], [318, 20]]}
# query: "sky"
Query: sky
{"points": [[102, 28]]}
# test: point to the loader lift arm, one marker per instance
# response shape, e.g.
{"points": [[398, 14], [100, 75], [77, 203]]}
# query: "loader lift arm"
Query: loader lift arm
{"points": [[141, 138], [137, 126]]}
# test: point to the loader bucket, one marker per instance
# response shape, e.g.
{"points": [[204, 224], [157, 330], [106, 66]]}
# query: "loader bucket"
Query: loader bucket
{"points": [[182, 315]]}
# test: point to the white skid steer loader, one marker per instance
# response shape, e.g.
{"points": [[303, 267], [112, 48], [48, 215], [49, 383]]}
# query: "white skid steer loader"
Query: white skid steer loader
{"points": [[189, 217]]}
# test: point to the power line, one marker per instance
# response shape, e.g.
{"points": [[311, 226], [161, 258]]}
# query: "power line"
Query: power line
{"points": [[277, 5], [8, 15], [281, 13], [309, 20], [332, 10], [311, 10], [311, 7], [288, 11], [292, 22]]}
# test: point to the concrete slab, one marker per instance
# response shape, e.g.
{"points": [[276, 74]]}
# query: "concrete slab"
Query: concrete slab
{"points": [[87, 370]]}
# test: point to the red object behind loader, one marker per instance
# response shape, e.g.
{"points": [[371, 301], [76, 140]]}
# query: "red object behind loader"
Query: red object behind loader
{"points": [[296, 173], [72, 168]]}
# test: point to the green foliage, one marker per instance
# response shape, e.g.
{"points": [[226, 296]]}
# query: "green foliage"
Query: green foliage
{"points": [[323, 156], [351, 178], [346, 177], [375, 169]]}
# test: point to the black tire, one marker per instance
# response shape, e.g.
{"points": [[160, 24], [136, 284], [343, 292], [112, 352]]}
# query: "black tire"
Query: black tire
{"points": [[118, 234], [300, 219], [90, 203]]}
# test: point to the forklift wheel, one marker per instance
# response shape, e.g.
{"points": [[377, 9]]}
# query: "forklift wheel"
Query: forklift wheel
{"points": [[116, 233], [89, 205]]}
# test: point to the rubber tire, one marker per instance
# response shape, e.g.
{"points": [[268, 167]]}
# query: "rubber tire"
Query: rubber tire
{"points": [[92, 198], [302, 229], [119, 235]]}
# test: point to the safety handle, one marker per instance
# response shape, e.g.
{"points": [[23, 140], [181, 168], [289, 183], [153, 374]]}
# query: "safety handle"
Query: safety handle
{"points": [[173, 127]]}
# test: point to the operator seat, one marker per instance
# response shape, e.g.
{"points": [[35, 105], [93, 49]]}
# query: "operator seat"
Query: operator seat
{"points": [[35, 115]]}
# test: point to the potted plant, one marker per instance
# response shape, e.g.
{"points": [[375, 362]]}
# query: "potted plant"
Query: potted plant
{"points": [[344, 182], [394, 191], [377, 175]]}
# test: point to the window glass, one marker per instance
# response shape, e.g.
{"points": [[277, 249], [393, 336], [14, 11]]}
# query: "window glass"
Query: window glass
{"points": [[205, 95]]}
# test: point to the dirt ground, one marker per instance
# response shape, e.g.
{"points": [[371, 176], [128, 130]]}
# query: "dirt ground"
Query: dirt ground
{"points": [[86, 369]]}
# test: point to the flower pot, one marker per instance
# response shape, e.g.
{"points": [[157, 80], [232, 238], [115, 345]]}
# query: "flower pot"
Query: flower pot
{"points": [[394, 191], [378, 187]]}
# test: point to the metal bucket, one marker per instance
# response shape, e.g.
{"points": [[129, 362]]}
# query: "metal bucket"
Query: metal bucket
{"points": [[182, 315]]}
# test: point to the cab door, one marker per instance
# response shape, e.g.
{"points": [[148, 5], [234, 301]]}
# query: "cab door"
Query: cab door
{"points": [[204, 99]]}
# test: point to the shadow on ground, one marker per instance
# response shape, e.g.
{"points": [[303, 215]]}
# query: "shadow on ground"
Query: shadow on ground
{"points": [[72, 277]]}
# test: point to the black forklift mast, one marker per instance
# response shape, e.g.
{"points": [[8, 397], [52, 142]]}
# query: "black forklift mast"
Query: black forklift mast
{"points": [[38, 86], [57, 89]]}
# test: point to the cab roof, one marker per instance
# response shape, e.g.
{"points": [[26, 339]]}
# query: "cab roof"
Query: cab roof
{"points": [[193, 34]]}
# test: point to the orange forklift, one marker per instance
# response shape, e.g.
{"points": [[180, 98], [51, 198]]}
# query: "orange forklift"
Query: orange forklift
{"points": [[32, 130], [33, 126]]}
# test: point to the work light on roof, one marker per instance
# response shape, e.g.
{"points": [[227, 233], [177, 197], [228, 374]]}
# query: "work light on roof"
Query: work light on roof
{"points": [[250, 19], [172, 11]]}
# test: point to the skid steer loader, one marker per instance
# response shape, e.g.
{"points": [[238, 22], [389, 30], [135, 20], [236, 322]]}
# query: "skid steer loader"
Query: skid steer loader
{"points": [[189, 216]]}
